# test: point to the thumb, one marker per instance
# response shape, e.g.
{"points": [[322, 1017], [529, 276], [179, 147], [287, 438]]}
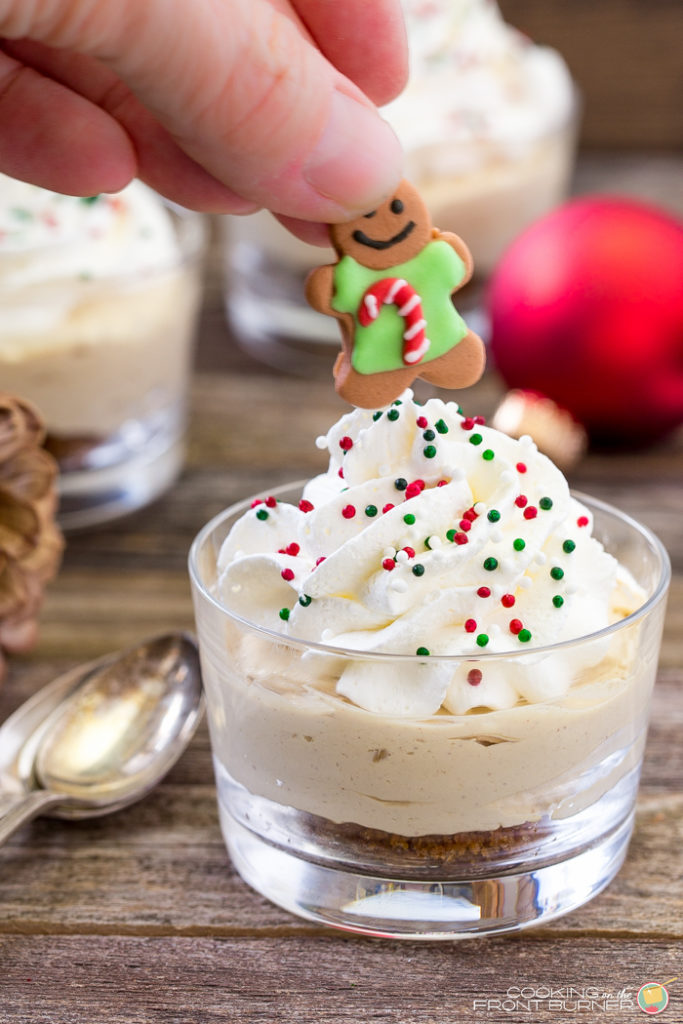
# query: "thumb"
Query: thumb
{"points": [[242, 90]]}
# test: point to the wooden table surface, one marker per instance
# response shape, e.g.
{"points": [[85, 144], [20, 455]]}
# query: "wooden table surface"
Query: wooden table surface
{"points": [[139, 917]]}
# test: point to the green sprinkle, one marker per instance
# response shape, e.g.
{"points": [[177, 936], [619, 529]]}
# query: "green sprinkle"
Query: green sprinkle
{"points": [[429, 452], [400, 484], [418, 570], [20, 213], [476, 438], [441, 426], [519, 544], [262, 514], [546, 504], [493, 516], [558, 601], [524, 635], [450, 534], [376, 415], [427, 544], [393, 414], [568, 546], [429, 435], [370, 511], [409, 519], [284, 614], [556, 572], [488, 455], [305, 600], [490, 564], [89, 200], [397, 402], [423, 651], [482, 640]]}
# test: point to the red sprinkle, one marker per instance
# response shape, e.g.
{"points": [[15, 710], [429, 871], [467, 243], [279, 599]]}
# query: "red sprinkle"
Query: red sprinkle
{"points": [[271, 502], [582, 521], [321, 559], [507, 600], [480, 421], [256, 501], [422, 422], [474, 676], [521, 501], [467, 423], [414, 488], [305, 505], [345, 443], [388, 564], [521, 467], [516, 626], [460, 538], [340, 472], [470, 625], [465, 524], [291, 549], [287, 574], [442, 483], [388, 507], [410, 552], [531, 512], [484, 592], [348, 511], [470, 514]]}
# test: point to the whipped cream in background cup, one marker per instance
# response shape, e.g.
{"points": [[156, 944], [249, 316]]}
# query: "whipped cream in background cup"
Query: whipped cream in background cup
{"points": [[98, 309], [428, 682], [488, 122]]}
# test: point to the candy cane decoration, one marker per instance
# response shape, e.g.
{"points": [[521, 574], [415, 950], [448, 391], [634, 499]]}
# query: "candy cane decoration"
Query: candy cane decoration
{"points": [[394, 291]]}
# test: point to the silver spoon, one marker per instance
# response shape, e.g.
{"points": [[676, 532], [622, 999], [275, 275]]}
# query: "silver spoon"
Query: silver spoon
{"points": [[101, 736]]}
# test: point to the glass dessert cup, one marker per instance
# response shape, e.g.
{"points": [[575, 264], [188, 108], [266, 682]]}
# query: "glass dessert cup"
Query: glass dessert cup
{"points": [[449, 827], [110, 377]]}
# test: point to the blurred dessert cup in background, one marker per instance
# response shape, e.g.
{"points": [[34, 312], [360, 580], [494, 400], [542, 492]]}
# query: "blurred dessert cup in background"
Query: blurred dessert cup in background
{"points": [[98, 308], [488, 122]]}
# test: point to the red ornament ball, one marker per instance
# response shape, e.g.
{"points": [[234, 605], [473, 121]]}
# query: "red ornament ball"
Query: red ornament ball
{"points": [[587, 308]]}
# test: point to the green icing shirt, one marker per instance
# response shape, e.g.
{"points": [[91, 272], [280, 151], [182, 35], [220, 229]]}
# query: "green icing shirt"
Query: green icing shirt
{"points": [[434, 273]]}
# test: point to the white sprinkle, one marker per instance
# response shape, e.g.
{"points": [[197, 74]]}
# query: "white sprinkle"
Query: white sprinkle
{"points": [[434, 542], [526, 582], [402, 557], [496, 535], [507, 476], [539, 558], [456, 473], [399, 586], [321, 441], [571, 589], [479, 507], [389, 553], [326, 635], [505, 565]]}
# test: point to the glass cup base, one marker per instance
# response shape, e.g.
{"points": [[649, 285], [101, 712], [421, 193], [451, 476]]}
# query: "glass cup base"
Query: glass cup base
{"points": [[98, 494], [449, 908]]}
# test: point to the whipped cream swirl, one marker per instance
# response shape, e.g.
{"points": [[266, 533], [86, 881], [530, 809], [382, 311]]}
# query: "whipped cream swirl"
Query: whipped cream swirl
{"points": [[431, 534]]}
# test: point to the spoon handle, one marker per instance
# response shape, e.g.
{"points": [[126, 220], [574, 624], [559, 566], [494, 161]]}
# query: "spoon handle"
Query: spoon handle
{"points": [[26, 808]]}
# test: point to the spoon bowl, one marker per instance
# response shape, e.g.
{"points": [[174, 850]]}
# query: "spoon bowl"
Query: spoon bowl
{"points": [[101, 736]]}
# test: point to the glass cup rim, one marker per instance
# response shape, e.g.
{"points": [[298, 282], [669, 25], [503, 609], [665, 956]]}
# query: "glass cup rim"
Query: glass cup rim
{"points": [[658, 593]]}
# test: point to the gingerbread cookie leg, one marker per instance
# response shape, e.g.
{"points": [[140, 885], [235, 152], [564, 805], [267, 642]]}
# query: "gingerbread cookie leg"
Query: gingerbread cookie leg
{"points": [[460, 367], [369, 390]]}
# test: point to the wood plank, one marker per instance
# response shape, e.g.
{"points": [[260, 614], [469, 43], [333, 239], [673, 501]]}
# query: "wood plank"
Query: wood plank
{"points": [[626, 58], [325, 980]]}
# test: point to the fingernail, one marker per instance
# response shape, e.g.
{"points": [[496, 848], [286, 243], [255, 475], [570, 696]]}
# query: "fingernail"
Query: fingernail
{"points": [[358, 159]]}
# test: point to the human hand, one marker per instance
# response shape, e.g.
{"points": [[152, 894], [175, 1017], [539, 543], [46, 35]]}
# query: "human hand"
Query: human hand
{"points": [[221, 105]]}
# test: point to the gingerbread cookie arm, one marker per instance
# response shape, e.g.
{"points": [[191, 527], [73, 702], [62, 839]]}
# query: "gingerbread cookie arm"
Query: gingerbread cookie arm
{"points": [[459, 246], [320, 289]]}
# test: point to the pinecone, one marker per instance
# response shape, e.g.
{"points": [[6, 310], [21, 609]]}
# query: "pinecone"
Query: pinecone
{"points": [[30, 541]]}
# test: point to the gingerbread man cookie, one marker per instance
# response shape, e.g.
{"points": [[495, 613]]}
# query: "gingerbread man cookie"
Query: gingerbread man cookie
{"points": [[391, 292]]}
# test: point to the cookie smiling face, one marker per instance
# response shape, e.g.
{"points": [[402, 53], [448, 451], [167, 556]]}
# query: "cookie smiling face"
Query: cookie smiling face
{"points": [[392, 234]]}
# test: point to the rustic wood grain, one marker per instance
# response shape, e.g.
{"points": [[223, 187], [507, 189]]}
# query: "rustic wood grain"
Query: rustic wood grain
{"points": [[139, 917], [626, 58]]}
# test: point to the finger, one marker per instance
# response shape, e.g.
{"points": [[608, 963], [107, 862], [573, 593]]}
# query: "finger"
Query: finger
{"points": [[245, 95], [157, 159], [365, 41], [307, 230], [55, 138]]}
